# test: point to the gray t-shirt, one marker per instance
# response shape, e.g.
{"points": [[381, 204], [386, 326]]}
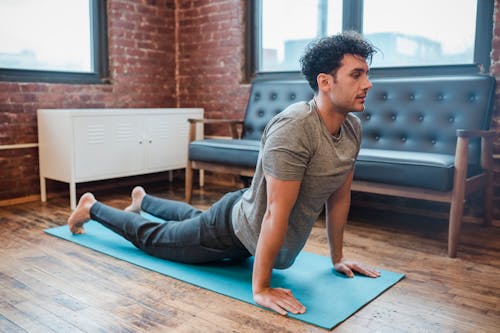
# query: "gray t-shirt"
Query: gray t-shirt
{"points": [[296, 145]]}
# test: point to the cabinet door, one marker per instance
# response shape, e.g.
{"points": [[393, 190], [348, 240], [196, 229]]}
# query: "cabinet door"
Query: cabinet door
{"points": [[108, 146], [167, 138]]}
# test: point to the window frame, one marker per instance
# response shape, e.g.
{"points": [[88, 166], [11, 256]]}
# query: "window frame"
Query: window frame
{"points": [[99, 47], [352, 19]]}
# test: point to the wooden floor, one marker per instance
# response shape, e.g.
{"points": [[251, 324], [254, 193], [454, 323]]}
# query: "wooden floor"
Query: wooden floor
{"points": [[51, 285]]}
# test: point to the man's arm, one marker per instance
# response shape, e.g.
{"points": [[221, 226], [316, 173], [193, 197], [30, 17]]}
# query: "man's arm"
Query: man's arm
{"points": [[337, 210], [281, 197]]}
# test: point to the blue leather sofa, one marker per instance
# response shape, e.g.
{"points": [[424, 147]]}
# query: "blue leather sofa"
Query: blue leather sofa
{"points": [[423, 137]]}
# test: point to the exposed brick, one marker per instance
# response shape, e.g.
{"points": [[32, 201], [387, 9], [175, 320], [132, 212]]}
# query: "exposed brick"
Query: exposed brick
{"points": [[33, 87], [10, 87]]}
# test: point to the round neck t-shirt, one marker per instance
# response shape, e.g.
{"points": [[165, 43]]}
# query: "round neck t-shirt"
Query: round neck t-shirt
{"points": [[296, 145]]}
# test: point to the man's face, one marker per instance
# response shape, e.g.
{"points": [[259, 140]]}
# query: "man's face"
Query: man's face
{"points": [[350, 84]]}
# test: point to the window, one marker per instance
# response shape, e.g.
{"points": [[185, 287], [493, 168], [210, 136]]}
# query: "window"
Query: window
{"points": [[53, 40], [283, 42], [416, 36], [405, 39]]}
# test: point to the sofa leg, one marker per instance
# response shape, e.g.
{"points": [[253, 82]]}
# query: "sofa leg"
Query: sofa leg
{"points": [[488, 199], [188, 182], [455, 224], [457, 196]]}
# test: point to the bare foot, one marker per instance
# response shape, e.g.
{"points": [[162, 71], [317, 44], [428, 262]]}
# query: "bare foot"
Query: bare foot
{"points": [[81, 214], [137, 195]]}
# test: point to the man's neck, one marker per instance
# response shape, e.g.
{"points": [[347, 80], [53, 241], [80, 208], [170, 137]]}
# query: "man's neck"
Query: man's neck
{"points": [[331, 117]]}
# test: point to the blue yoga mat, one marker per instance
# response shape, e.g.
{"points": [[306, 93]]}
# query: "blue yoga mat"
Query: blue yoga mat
{"points": [[330, 297]]}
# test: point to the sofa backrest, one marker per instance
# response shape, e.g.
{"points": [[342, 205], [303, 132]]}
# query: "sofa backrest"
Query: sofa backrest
{"points": [[423, 113], [268, 98], [409, 113]]}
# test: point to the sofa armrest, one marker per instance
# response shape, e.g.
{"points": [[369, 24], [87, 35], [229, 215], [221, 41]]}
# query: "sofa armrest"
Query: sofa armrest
{"points": [[233, 126], [487, 139], [476, 133]]}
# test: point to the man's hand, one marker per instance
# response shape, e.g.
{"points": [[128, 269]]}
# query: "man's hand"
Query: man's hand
{"points": [[348, 268], [280, 300]]}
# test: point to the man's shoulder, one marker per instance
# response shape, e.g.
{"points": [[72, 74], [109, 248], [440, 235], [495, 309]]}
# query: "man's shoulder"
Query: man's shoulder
{"points": [[294, 115], [296, 110]]}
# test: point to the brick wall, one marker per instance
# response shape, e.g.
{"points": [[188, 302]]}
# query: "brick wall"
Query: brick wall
{"points": [[211, 41], [141, 44]]}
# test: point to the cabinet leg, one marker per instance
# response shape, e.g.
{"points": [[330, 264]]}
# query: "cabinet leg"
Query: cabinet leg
{"points": [[72, 195], [43, 189]]}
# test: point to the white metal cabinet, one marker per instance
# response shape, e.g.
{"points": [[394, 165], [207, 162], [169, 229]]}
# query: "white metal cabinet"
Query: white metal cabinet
{"points": [[162, 137], [107, 146], [79, 145]]}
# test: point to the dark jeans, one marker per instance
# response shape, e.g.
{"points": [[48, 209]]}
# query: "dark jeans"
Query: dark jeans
{"points": [[189, 235]]}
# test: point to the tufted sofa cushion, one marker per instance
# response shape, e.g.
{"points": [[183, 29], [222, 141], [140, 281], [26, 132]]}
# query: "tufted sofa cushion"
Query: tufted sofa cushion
{"points": [[422, 114], [243, 153], [416, 169], [267, 99], [409, 127]]}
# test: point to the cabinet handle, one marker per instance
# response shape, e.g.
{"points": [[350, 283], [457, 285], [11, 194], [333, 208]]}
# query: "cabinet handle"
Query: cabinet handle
{"points": [[150, 141], [140, 142]]}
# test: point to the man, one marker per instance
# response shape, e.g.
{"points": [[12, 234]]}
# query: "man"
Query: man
{"points": [[306, 161]]}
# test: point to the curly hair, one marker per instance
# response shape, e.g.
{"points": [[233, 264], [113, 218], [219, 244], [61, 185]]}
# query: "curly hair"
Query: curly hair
{"points": [[325, 54]]}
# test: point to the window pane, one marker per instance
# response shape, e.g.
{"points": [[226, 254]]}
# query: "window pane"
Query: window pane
{"points": [[334, 18], [420, 33], [288, 25], [57, 38]]}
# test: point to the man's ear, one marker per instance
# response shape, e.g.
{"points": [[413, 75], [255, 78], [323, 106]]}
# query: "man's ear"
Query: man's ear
{"points": [[323, 81]]}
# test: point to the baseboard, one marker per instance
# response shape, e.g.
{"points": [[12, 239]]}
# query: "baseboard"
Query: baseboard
{"points": [[19, 200]]}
